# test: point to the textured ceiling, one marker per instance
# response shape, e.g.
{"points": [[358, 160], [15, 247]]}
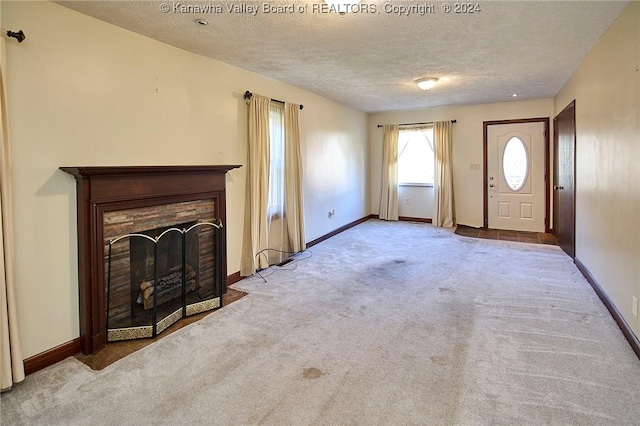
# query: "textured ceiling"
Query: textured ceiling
{"points": [[370, 60]]}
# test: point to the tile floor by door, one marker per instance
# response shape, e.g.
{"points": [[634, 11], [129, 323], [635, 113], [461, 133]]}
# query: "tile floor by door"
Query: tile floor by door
{"points": [[500, 234]]}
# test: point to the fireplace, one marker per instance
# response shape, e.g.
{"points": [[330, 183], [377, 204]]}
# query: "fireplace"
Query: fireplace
{"points": [[151, 248]]}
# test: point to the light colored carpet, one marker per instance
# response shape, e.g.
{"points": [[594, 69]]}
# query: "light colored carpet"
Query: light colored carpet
{"points": [[387, 323]]}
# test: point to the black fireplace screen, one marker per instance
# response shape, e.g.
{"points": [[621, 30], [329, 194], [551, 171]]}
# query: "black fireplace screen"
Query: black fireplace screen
{"points": [[157, 277]]}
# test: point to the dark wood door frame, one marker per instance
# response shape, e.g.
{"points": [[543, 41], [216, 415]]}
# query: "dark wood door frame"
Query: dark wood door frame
{"points": [[567, 241], [485, 179]]}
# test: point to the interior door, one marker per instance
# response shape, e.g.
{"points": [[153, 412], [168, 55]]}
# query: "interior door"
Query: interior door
{"points": [[564, 207], [515, 176]]}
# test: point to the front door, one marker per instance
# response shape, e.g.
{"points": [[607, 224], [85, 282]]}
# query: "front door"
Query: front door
{"points": [[564, 205], [516, 175]]}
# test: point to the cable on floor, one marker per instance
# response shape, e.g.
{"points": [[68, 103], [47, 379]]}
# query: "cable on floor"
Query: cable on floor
{"points": [[276, 268]]}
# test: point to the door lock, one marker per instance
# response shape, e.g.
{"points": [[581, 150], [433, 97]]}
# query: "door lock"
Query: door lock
{"points": [[558, 187]]}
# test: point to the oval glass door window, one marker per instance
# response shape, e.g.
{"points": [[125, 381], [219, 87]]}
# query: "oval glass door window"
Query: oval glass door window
{"points": [[514, 163]]}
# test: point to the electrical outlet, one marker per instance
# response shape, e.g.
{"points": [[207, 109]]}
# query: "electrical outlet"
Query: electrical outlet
{"points": [[634, 306]]}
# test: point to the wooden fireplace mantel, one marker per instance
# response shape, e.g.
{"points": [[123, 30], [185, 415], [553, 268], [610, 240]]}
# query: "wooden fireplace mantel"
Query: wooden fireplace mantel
{"points": [[113, 188]]}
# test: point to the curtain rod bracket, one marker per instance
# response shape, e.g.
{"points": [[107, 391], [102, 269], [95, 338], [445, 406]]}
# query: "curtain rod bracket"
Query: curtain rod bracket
{"points": [[18, 36], [248, 95]]}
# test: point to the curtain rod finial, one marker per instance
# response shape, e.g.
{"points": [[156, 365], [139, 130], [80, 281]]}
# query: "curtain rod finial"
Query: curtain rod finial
{"points": [[18, 36]]}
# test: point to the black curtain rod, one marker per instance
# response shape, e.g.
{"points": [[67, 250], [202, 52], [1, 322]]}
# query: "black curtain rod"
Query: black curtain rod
{"points": [[248, 95], [415, 124]]}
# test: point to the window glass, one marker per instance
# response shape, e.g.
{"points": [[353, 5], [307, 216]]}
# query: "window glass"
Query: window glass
{"points": [[515, 164], [276, 165], [415, 156]]}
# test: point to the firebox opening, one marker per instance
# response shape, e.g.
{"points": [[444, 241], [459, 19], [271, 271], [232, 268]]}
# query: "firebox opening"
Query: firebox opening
{"points": [[167, 293], [157, 276]]}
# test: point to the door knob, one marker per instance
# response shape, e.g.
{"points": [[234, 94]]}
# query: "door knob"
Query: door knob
{"points": [[558, 187], [491, 185]]}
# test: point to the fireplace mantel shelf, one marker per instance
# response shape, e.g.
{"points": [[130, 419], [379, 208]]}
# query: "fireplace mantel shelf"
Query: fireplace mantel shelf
{"points": [[135, 170], [103, 189], [139, 183]]}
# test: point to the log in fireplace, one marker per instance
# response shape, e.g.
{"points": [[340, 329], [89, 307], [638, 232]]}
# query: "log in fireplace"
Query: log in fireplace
{"points": [[130, 288]]}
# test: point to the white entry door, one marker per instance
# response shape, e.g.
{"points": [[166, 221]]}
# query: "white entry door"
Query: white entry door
{"points": [[516, 176]]}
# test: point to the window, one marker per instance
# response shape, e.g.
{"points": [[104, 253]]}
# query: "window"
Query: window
{"points": [[415, 157], [276, 165], [515, 164]]}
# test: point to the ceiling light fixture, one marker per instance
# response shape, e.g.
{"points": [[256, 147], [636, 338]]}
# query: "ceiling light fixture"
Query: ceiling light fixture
{"points": [[515, 95], [426, 83], [202, 22]]}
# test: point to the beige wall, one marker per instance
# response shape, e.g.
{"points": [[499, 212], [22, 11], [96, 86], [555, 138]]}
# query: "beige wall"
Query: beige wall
{"points": [[606, 88], [467, 150], [83, 92]]}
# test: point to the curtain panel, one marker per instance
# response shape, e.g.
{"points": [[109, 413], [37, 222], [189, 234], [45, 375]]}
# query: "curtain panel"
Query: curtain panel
{"points": [[293, 179], [257, 187], [274, 205], [389, 191], [11, 362], [443, 186]]}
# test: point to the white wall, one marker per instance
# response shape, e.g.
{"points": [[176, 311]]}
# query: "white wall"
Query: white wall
{"points": [[336, 168], [415, 201], [606, 88], [83, 92], [467, 150]]}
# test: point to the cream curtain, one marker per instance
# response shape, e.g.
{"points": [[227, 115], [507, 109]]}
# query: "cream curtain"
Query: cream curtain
{"points": [[293, 179], [257, 192], [443, 186], [11, 363], [389, 192]]}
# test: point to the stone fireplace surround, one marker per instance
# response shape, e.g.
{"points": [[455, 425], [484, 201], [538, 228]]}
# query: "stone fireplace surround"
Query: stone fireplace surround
{"points": [[102, 190]]}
